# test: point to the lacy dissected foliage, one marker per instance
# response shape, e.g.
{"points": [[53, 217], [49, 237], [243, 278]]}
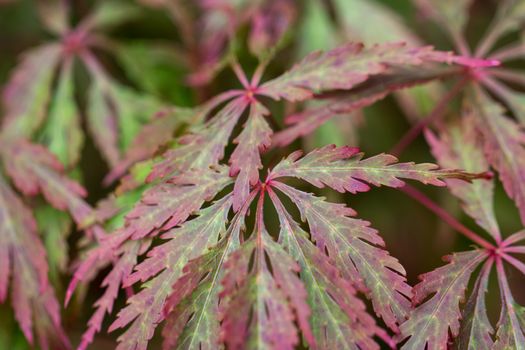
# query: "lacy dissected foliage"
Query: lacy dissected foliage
{"points": [[23, 264], [39, 100], [210, 280], [38, 200], [212, 237]]}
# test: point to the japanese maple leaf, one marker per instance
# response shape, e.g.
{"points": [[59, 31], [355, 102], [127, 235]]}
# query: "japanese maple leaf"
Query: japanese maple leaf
{"points": [[34, 109], [23, 259], [441, 319], [200, 241], [209, 240], [208, 30], [485, 73], [502, 136]]}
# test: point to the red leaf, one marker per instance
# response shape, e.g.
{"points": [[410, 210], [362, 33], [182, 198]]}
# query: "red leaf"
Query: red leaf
{"points": [[430, 322], [245, 160], [23, 256], [204, 146], [35, 170], [344, 170]]}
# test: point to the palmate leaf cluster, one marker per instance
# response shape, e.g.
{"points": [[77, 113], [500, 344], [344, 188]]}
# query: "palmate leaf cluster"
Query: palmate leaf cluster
{"points": [[211, 237], [201, 281]]}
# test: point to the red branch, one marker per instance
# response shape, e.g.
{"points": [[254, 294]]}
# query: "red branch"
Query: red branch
{"points": [[445, 216]]}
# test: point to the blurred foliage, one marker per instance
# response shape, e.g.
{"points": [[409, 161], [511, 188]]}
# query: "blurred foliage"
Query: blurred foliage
{"points": [[148, 57]]}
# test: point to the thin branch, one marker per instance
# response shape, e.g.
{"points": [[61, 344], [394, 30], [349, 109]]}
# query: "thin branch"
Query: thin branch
{"points": [[506, 295], [494, 86], [511, 75], [515, 250], [259, 220], [436, 114], [490, 38], [514, 262], [516, 237], [445, 216], [509, 52], [259, 71], [240, 74], [461, 44]]}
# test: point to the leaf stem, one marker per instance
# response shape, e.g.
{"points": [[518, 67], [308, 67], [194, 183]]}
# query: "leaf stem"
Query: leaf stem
{"points": [[445, 216], [94, 66], [511, 75], [504, 284], [461, 44], [514, 262], [495, 87], [490, 38], [509, 53], [240, 74], [257, 75], [515, 250], [259, 216], [514, 238], [436, 114]]}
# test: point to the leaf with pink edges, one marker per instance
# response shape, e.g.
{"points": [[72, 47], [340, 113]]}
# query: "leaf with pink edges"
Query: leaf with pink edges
{"points": [[145, 309], [23, 256], [376, 88], [357, 251], [102, 123], [430, 322], [273, 297], [338, 318], [112, 282], [26, 95], [192, 310], [115, 112], [476, 329], [245, 161], [203, 146], [345, 170], [150, 138], [348, 65], [460, 147], [504, 146], [170, 203], [35, 170]]}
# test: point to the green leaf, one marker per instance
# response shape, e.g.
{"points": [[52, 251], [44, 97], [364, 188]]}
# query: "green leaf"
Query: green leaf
{"points": [[192, 309], [451, 14], [460, 147], [145, 309], [430, 322], [338, 318], [504, 146], [158, 69], [27, 93], [475, 328], [356, 250], [62, 133], [55, 227]]}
